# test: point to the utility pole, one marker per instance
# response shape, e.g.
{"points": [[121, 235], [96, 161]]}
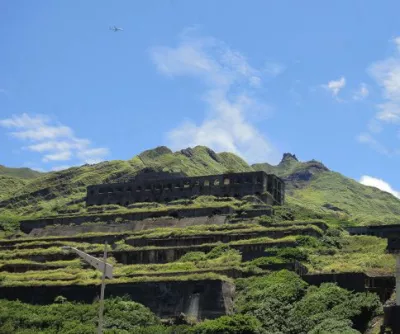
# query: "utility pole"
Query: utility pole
{"points": [[103, 286], [397, 279], [105, 268]]}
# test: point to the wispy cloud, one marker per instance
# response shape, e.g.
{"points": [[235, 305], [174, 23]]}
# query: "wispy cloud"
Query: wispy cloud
{"points": [[55, 142], [335, 86], [231, 85], [61, 167], [380, 184], [386, 74], [368, 139], [361, 93]]}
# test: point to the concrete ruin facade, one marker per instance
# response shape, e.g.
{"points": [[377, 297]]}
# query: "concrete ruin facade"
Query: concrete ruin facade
{"points": [[165, 187]]}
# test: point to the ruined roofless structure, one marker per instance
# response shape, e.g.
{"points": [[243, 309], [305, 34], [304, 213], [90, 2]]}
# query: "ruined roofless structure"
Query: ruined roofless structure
{"points": [[164, 187]]}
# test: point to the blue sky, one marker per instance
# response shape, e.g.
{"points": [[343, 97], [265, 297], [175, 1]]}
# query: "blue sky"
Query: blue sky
{"points": [[315, 78]]}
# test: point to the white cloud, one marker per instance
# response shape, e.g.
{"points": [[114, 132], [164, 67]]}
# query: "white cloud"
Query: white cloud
{"points": [[335, 86], [386, 74], [56, 142], [58, 168], [361, 93], [59, 156], [230, 96], [380, 184], [92, 156], [366, 138]]}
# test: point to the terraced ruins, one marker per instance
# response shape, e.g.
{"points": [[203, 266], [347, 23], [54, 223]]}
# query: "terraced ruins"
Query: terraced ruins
{"points": [[196, 257]]}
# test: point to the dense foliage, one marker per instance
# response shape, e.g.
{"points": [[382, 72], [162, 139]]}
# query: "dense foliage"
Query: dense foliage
{"points": [[121, 314], [283, 303], [310, 185]]}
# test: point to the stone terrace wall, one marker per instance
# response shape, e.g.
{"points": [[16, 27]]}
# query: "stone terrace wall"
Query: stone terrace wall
{"points": [[27, 226], [144, 189], [166, 299]]}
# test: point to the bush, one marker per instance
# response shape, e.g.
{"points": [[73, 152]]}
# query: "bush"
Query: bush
{"points": [[193, 257], [235, 324], [334, 326], [121, 316], [218, 251]]}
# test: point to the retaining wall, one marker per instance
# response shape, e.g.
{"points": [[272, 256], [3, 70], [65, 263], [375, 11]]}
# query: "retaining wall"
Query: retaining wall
{"points": [[165, 299]]}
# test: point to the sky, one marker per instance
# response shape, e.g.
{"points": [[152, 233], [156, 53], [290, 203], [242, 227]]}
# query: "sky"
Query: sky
{"points": [[257, 78]]}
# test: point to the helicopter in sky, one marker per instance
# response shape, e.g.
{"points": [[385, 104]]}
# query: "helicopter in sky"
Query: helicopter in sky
{"points": [[115, 28]]}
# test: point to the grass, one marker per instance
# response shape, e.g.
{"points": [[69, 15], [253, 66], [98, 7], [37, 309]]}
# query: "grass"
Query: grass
{"points": [[63, 192], [358, 254]]}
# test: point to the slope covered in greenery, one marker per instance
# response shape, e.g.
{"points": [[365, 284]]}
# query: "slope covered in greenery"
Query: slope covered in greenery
{"points": [[309, 184], [312, 185], [23, 173]]}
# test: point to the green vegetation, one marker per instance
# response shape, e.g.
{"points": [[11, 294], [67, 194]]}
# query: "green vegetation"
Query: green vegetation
{"points": [[22, 173], [283, 303], [356, 254], [312, 187], [277, 303], [308, 229], [121, 316]]}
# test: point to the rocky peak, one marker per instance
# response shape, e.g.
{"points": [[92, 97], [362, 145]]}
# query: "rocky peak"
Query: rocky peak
{"points": [[288, 157]]}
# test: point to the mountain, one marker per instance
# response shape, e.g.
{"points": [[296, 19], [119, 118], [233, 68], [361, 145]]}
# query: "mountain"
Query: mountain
{"points": [[23, 173], [312, 185], [309, 185]]}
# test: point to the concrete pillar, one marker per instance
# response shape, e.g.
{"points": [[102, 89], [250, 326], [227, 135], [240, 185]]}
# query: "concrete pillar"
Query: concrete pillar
{"points": [[398, 279]]}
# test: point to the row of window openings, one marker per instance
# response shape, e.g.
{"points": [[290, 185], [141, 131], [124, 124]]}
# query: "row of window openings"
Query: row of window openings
{"points": [[164, 200], [177, 186]]}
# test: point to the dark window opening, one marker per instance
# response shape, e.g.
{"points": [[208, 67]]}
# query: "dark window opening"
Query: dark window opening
{"points": [[186, 184], [139, 189]]}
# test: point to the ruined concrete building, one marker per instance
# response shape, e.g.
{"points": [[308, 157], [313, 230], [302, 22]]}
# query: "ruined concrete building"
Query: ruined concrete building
{"points": [[164, 187]]}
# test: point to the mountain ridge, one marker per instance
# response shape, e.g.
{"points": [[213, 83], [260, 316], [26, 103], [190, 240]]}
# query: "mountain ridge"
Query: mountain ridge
{"points": [[309, 184]]}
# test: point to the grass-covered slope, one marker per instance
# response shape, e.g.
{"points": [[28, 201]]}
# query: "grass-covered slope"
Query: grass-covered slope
{"points": [[309, 184], [312, 185], [9, 185], [23, 173]]}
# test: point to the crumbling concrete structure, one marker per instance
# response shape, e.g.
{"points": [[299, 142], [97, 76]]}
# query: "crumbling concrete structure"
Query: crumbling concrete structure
{"points": [[165, 187]]}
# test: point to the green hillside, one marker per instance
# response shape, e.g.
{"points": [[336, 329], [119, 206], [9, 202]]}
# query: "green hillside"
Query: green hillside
{"points": [[260, 262], [312, 185], [309, 184], [23, 173]]}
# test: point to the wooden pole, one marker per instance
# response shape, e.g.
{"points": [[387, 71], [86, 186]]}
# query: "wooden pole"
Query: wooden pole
{"points": [[103, 286]]}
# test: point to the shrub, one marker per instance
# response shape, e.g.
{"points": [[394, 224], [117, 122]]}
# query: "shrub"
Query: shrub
{"points": [[193, 257], [218, 251], [235, 324]]}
